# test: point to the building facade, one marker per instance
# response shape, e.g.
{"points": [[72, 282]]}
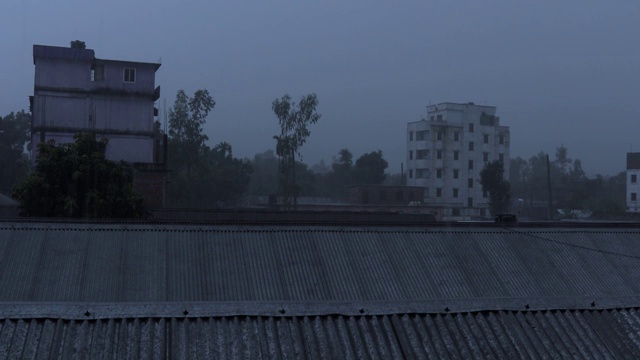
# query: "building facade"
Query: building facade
{"points": [[633, 187], [446, 152], [76, 92]]}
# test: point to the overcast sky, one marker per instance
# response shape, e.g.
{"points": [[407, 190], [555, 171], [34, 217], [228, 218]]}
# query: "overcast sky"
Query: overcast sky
{"points": [[560, 72]]}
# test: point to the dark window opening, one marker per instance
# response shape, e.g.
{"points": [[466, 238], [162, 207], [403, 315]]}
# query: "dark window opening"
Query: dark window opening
{"points": [[129, 75]]}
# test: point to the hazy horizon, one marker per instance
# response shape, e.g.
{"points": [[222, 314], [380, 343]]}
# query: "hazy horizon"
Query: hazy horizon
{"points": [[559, 74]]}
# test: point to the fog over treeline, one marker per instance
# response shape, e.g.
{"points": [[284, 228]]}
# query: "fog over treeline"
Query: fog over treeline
{"points": [[560, 73]]}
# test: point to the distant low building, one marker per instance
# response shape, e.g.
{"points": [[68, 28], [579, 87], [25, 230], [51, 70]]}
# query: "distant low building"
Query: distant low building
{"points": [[633, 187], [385, 195]]}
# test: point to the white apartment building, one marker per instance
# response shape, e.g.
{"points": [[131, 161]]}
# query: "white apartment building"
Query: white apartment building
{"points": [[633, 187], [447, 151]]}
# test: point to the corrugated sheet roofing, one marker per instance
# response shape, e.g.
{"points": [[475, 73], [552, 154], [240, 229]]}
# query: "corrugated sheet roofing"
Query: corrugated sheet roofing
{"points": [[144, 263], [480, 335], [76, 291]]}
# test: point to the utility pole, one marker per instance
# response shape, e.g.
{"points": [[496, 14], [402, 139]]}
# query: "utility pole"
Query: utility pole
{"points": [[549, 186]]}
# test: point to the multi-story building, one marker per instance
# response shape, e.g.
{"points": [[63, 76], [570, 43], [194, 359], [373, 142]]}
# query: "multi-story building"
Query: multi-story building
{"points": [[633, 186], [76, 92], [447, 151]]}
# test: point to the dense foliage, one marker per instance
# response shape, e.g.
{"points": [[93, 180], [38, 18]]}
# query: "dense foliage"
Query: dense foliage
{"points": [[14, 133], [76, 180], [499, 190], [201, 176]]}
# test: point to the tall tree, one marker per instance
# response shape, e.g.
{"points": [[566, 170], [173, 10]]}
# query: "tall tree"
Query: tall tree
{"points": [[294, 120], [369, 168], [76, 180], [499, 189], [14, 133]]}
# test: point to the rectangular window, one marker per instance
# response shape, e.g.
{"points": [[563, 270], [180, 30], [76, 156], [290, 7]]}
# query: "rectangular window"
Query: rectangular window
{"points": [[456, 136], [470, 127], [410, 154], [410, 174], [456, 172], [485, 156], [485, 194], [501, 157], [486, 138], [470, 145], [456, 155], [97, 73], [439, 135], [634, 178], [426, 192], [129, 75], [455, 193], [470, 164], [501, 139], [438, 192], [470, 202], [422, 135], [422, 173], [383, 195], [432, 118], [439, 173], [440, 117], [439, 154], [410, 135], [455, 212], [633, 196], [470, 183], [422, 154]]}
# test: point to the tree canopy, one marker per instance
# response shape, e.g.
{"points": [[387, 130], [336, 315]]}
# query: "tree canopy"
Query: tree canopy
{"points": [[76, 180], [14, 133], [201, 176], [499, 189], [294, 120]]}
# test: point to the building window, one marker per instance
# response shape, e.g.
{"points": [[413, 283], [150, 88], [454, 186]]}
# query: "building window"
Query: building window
{"points": [[470, 145], [439, 135], [633, 196], [634, 178], [470, 202], [410, 174], [422, 154], [456, 155], [485, 156], [501, 139], [426, 192], [455, 212], [439, 173], [422, 135], [470, 164], [129, 75], [456, 136], [439, 154], [501, 157], [456, 172], [399, 195], [470, 127], [486, 138], [422, 173], [485, 194], [383, 195], [470, 183], [455, 193], [439, 117], [410, 135], [410, 154], [432, 118], [97, 73], [438, 192]]}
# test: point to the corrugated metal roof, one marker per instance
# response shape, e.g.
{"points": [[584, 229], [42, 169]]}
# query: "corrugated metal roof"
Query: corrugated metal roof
{"points": [[147, 263], [479, 335]]}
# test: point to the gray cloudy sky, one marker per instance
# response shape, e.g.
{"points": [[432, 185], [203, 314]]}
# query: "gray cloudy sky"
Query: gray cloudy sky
{"points": [[560, 72]]}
